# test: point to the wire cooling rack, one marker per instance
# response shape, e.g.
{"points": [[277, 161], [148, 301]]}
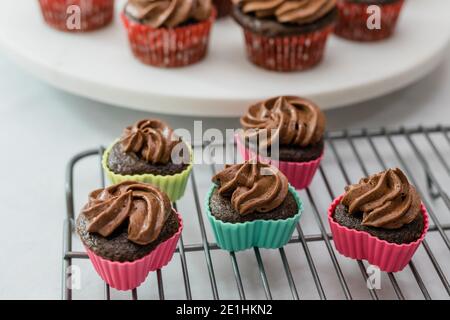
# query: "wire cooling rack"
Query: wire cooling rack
{"points": [[422, 152]]}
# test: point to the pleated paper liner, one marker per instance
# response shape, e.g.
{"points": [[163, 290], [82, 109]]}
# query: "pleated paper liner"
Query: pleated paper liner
{"points": [[299, 174], [353, 20], [287, 53], [95, 14], [355, 244], [129, 275], [173, 185], [169, 47], [268, 234]]}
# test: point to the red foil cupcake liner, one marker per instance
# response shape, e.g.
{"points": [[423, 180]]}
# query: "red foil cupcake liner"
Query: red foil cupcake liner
{"points": [[169, 48], [360, 245], [129, 275], [299, 174], [353, 17], [287, 53], [223, 7], [95, 14]]}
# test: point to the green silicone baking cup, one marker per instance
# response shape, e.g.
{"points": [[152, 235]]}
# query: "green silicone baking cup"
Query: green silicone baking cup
{"points": [[173, 185], [268, 234]]}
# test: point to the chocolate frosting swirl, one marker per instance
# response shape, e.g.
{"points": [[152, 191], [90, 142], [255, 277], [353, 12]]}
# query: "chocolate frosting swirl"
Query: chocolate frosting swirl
{"points": [[145, 207], [168, 13], [292, 120], [288, 11], [387, 200], [151, 140], [252, 186]]}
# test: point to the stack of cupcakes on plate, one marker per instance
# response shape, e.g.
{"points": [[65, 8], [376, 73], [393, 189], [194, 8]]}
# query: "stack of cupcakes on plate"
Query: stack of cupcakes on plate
{"points": [[296, 126], [169, 33], [77, 15], [381, 219]]}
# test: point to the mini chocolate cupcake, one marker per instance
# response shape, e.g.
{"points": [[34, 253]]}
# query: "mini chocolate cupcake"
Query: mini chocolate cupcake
{"points": [[252, 205], [150, 152], [128, 230], [285, 35], [357, 21], [169, 33], [62, 14], [381, 219], [296, 125]]}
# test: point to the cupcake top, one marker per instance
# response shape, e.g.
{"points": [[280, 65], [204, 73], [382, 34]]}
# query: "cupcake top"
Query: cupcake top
{"points": [[386, 200], [253, 187], [145, 207], [289, 120], [151, 140], [288, 11], [168, 13]]}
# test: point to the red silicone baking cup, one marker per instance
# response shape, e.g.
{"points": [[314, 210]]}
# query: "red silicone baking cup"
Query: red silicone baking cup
{"points": [[129, 275], [287, 53], [353, 17], [299, 174], [360, 245], [223, 7], [95, 14], [169, 48]]}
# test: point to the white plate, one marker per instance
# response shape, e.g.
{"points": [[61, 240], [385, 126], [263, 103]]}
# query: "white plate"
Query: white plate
{"points": [[100, 66]]}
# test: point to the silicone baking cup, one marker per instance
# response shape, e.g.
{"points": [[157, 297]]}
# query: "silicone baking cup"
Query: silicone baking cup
{"points": [[360, 245], [353, 18], [299, 174], [268, 234], [95, 14], [169, 48], [173, 185], [287, 53], [129, 275]]}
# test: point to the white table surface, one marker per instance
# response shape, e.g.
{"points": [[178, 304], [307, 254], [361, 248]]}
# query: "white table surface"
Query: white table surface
{"points": [[41, 128]]}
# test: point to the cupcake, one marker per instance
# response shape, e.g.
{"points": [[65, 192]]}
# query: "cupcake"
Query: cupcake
{"points": [[285, 35], [223, 7], [77, 15], [357, 19], [150, 152], [294, 127], [169, 33], [129, 230], [381, 219], [252, 205]]}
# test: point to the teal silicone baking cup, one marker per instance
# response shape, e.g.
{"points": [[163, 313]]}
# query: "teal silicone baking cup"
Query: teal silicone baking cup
{"points": [[267, 234], [173, 185]]}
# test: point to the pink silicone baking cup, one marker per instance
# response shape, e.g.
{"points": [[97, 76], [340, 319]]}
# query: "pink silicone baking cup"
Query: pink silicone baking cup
{"points": [[299, 174], [129, 275], [360, 245]]}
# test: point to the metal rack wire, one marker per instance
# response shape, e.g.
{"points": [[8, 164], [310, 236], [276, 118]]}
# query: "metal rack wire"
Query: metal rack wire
{"points": [[434, 141]]}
